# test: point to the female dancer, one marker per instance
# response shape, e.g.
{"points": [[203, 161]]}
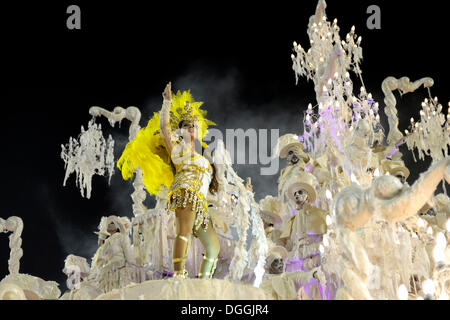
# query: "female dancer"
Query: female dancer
{"points": [[165, 152]]}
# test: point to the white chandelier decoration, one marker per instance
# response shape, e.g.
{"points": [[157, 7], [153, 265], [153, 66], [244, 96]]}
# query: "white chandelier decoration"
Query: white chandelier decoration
{"points": [[346, 128]]}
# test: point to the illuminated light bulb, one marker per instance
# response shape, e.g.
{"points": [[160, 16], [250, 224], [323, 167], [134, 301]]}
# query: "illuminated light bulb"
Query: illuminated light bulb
{"points": [[310, 106], [428, 287], [412, 120], [426, 100], [320, 106], [363, 89], [377, 172], [435, 99], [328, 194], [336, 75], [440, 240], [320, 24], [292, 56], [430, 231], [422, 113], [314, 24], [353, 178], [347, 75], [325, 88], [295, 44], [353, 29], [328, 220], [438, 254], [377, 117], [335, 21], [355, 100], [325, 241], [416, 125], [359, 39], [402, 292], [329, 34], [423, 104], [308, 118], [420, 223], [406, 132], [369, 96], [337, 104], [330, 81], [434, 113], [443, 296], [447, 225], [321, 249]]}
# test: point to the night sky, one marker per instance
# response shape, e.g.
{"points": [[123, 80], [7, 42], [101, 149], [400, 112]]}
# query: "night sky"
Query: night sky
{"points": [[233, 57]]}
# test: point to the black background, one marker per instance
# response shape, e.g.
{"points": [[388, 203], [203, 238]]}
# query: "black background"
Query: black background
{"points": [[126, 52]]}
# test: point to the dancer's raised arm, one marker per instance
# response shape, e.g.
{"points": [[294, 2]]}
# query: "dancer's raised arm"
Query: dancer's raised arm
{"points": [[164, 125]]}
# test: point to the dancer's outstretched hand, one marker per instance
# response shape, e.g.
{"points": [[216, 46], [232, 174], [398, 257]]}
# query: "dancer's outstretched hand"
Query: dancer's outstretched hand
{"points": [[167, 94]]}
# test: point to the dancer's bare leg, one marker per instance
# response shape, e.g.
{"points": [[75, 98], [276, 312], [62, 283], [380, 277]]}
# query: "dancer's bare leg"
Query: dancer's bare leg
{"points": [[184, 223], [210, 242]]}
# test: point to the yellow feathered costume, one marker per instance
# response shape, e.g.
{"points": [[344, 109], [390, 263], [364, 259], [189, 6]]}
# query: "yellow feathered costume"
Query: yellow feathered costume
{"points": [[147, 150]]}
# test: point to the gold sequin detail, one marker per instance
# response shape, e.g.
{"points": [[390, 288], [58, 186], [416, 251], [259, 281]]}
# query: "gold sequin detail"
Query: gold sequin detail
{"points": [[185, 190]]}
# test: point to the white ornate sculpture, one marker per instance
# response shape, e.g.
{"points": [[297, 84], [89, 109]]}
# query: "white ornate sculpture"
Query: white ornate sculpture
{"points": [[15, 226], [345, 128], [17, 285], [258, 246], [114, 264], [389, 201], [89, 155], [387, 198], [245, 212], [431, 135], [404, 85]]}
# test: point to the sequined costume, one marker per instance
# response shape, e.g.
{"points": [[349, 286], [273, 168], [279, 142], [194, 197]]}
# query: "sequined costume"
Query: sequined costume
{"points": [[191, 183]]}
